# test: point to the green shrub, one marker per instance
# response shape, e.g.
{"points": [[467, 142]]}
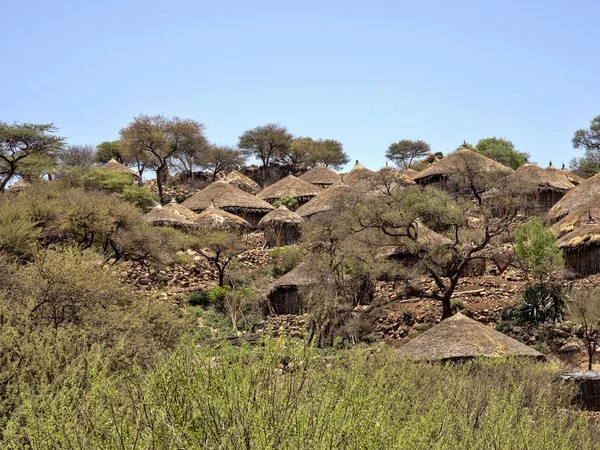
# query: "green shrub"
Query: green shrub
{"points": [[287, 258], [541, 303], [289, 202], [139, 196]]}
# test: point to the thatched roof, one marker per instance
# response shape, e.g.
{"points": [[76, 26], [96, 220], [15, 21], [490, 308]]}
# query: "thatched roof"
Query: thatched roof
{"points": [[459, 337], [214, 219], [358, 173], [280, 215], [160, 216], [227, 197], [302, 275], [290, 186], [325, 201], [410, 173], [242, 182], [320, 175], [180, 209], [116, 166], [577, 198], [582, 236], [530, 178], [460, 160], [18, 186], [580, 216]]}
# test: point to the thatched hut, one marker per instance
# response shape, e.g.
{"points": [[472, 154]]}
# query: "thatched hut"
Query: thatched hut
{"points": [[582, 215], [290, 186], [116, 166], [281, 227], [230, 199], [410, 173], [357, 174], [577, 198], [541, 188], [582, 249], [460, 338], [285, 294], [167, 217], [326, 201], [180, 209], [242, 182], [215, 219], [464, 172], [320, 176]]}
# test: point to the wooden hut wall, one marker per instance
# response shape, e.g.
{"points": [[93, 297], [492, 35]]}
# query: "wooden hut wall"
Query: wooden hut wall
{"points": [[547, 198], [584, 260], [286, 301], [253, 217], [280, 234]]}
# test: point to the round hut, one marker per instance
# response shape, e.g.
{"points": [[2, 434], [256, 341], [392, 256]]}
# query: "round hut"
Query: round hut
{"points": [[281, 227], [326, 201], [290, 186], [242, 182], [582, 249], [161, 216], [116, 166], [582, 215], [320, 176], [464, 171], [541, 188], [215, 219], [230, 199], [357, 174], [286, 294], [180, 209], [459, 338], [577, 198]]}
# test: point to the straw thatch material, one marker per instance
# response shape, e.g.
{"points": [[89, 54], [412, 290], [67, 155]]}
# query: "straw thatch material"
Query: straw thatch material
{"points": [[230, 199], [410, 173], [180, 209], [582, 215], [582, 249], [215, 219], [116, 166], [242, 182], [578, 197], [18, 186], [326, 201], [357, 174], [281, 227], [290, 186], [459, 338], [541, 187], [320, 176], [164, 217], [450, 173], [285, 296]]}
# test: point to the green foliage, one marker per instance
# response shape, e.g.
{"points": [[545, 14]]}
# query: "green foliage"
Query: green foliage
{"points": [[219, 158], [541, 303], [139, 196], [106, 180], [535, 245], [589, 141], [584, 310], [502, 151], [289, 202], [18, 232], [457, 304], [201, 298], [405, 151], [265, 142], [109, 150], [286, 259]]}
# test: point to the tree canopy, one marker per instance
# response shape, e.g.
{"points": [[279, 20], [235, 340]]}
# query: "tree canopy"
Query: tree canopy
{"points": [[587, 140], [502, 151], [405, 151]]}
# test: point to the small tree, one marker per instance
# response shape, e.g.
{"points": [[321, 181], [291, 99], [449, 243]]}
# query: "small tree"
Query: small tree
{"points": [[76, 156], [502, 151], [584, 310], [404, 152], [220, 158], [108, 150], [535, 246], [289, 202], [327, 152]]}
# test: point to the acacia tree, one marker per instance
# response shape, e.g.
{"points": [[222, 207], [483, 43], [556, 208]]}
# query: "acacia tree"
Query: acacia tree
{"points": [[297, 153], [265, 143], [26, 150], [405, 151], [584, 310], [327, 152], [107, 150], [589, 141], [501, 150], [76, 156], [159, 139], [220, 158], [192, 150]]}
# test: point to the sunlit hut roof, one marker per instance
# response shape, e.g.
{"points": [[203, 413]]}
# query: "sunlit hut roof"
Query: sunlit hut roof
{"points": [[226, 197], [280, 215], [459, 338], [215, 219], [180, 209], [242, 182], [290, 186], [326, 201], [530, 178], [582, 215], [576, 199], [116, 166], [358, 173], [582, 236], [161, 216], [410, 173], [302, 275], [320, 176], [460, 160]]}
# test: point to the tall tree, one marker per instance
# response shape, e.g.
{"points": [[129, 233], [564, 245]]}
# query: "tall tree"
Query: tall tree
{"points": [[160, 139], [265, 143], [502, 151], [192, 150], [327, 152], [26, 149], [220, 158], [589, 141], [297, 153], [405, 151], [76, 156]]}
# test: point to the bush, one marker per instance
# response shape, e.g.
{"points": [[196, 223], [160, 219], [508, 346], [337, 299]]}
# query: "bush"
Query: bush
{"points": [[289, 202], [541, 303], [286, 259], [199, 299]]}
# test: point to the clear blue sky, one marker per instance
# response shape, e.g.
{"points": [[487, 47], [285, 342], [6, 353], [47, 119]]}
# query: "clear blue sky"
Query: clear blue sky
{"points": [[365, 73]]}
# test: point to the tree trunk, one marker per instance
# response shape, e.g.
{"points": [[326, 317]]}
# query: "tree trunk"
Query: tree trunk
{"points": [[221, 275], [6, 179], [446, 307], [159, 185]]}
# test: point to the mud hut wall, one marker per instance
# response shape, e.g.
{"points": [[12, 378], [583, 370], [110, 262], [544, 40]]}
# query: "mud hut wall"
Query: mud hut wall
{"points": [[281, 234], [286, 301], [252, 217], [584, 260], [547, 198]]}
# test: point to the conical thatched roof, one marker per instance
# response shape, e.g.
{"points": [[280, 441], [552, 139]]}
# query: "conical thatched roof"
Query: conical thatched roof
{"points": [[459, 337], [459, 161], [226, 197], [326, 201], [582, 215], [530, 178], [160, 216], [302, 275], [581, 236], [358, 173], [320, 176], [290, 186], [116, 166], [214, 219], [576, 199], [242, 182], [280, 215], [410, 173], [180, 209]]}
